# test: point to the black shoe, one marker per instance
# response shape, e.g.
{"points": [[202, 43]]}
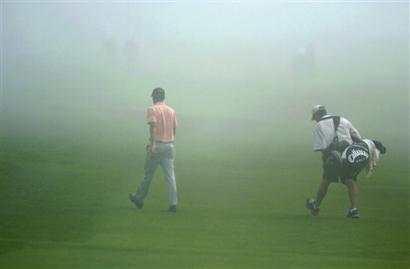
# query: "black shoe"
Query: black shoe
{"points": [[353, 213], [311, 205], [172, 208], [138, 203]]}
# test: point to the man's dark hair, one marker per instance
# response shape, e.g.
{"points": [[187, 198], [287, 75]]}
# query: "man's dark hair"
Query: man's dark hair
{"points": [[158, 94]]}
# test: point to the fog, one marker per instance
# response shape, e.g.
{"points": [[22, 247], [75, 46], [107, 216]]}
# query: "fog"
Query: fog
{"points": [[232, 71]]}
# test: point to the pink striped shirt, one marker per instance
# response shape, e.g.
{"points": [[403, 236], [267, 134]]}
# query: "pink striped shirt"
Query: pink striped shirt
{"points": [[164, 120]]}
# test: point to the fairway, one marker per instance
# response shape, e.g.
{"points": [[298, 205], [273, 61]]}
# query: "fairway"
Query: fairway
{"points": [[241, 206], [76, 79]]}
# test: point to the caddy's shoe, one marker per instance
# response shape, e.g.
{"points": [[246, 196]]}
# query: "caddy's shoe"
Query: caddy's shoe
{"points": [[310, 204], [138, 203], [353, 213]]}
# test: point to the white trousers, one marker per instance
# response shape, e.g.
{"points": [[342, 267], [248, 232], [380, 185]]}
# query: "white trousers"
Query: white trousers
{"points": [[164, 156]]}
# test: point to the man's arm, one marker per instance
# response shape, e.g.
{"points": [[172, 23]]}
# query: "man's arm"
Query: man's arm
{"points": [[151, 147], [151, 120], [175, 125], [319, 140]]}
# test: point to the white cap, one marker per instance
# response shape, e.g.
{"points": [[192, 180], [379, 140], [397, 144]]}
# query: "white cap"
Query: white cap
{"points": [[316, 109]]}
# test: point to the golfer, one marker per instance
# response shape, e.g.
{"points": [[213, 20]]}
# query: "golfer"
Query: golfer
{"points": [[333, 135], [161, 150]]}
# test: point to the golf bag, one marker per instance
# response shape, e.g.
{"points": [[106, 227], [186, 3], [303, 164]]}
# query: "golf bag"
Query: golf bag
{"points": [[354, 158], [332, 157]]}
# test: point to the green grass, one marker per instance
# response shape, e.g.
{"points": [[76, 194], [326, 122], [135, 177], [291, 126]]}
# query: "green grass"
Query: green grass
{"points": [[64, 204]]}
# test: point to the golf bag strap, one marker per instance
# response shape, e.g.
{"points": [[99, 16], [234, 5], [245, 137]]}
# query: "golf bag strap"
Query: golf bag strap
{"points": [[336, 120], [335, 143]]}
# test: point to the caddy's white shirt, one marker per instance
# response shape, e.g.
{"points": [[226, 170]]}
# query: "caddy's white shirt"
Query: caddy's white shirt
{"points": [[325, 132]]}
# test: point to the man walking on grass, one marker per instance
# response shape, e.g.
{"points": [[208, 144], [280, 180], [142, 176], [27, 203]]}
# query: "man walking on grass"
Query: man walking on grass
{"points": [[333, 135], [344, 154], [161, 150]]}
